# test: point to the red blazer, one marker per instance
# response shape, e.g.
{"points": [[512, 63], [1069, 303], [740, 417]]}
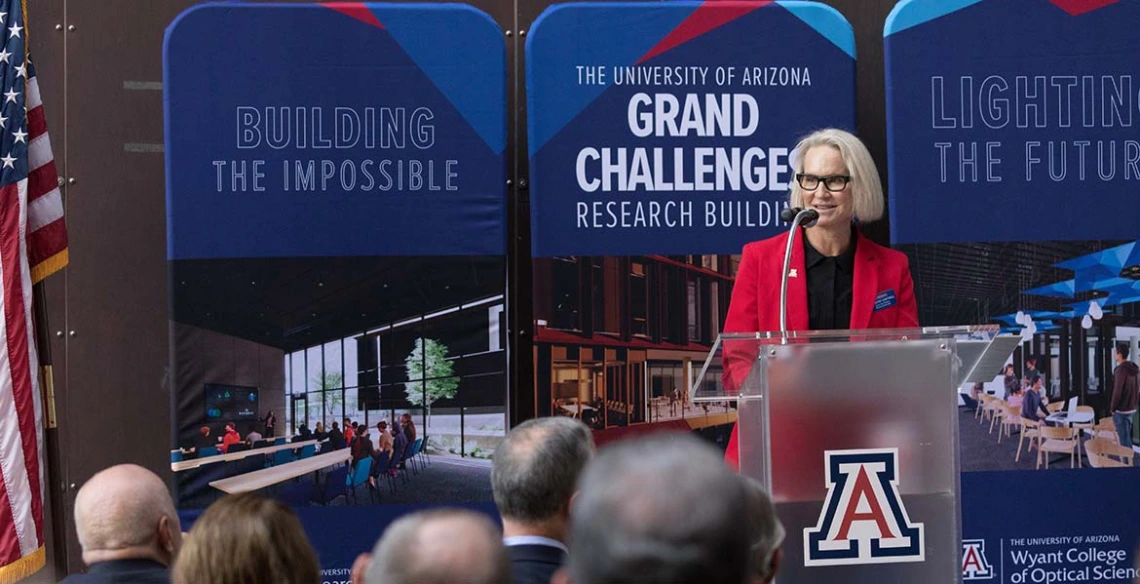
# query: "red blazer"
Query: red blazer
{"points": [[755, 302]]}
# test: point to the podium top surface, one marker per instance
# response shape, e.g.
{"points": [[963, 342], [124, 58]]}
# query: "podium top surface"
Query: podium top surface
{"points": [[738, 364], [975, 332]]}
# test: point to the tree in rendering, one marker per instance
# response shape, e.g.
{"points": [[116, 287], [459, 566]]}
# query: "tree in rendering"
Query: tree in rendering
{"points": [[430, 374]]}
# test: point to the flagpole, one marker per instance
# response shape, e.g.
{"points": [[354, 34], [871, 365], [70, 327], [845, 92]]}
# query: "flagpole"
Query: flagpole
{"points": [[55, 478]]}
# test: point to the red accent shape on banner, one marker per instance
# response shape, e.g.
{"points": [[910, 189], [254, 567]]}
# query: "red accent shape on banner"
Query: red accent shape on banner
{"points": [[356, 10], [708, 16], [1079, 7]]}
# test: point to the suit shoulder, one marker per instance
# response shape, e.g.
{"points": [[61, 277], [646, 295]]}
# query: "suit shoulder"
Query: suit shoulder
{"points": [[767, 246]]}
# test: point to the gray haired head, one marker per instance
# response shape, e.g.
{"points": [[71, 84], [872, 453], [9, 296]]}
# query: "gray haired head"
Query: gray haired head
{"points": [[765, 528], [440, 546], [536, 468], [657, 510]]}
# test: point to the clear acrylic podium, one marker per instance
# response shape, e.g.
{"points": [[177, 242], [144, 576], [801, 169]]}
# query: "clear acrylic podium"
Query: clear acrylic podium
{"points": [[874, 411]]}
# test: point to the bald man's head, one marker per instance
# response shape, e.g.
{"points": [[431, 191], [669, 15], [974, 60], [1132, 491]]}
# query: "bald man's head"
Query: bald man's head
{"points": [[126, 512], [440, 547]]}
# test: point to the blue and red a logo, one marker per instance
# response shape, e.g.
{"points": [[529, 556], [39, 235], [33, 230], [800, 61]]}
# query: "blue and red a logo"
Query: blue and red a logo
{"points": [[974, 563], [863, 519]]}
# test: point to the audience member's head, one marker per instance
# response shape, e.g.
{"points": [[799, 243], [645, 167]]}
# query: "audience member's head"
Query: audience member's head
{"points": [[1122, 351], [125, 512], [442, 546], [247, 539], [204, 430], [230, 427], [656, 510], [1009, 369], [535, 474], [381, 425], [335, 426], [766, 530]]}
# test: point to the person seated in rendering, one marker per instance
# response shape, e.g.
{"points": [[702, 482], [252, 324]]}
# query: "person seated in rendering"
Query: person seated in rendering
{"points": [[837, 278], [319, 432], [127, 526], [382, 451], [336, 439], [303, 433], [361, 446], [247, 539], [534, 476], [400, 445], [767, 532], [409, 426], [349, 431], [1033, 404], [203, 439], [230, 437], [253, 437], [1015, 399], [440, 546], [662, 509]]}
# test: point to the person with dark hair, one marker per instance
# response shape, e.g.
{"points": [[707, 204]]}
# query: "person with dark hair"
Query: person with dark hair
{"points": [[1011, 384], [361, 447], [1125, 394], [440, 546], [349, 431], [663, 509], [1031, 372], [270, 423], [247, 539], [336, 439], [534, 476]]}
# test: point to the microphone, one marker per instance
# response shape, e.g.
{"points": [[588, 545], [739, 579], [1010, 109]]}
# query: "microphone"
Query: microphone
{"points": [[798, 216], [789, 214]]}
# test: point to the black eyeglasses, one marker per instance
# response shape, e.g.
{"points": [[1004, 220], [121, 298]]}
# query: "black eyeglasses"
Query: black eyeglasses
{"points": [[834, 183]]}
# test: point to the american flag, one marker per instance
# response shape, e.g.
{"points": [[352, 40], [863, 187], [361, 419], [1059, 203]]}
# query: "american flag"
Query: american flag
{"points": [[33, 244]]}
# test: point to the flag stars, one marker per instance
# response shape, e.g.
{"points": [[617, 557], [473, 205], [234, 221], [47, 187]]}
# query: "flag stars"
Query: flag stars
{"points": [[22, 70], [3, 121], [10, 96], [21, 136], [9, 161], [4, 54], [14, 31]]}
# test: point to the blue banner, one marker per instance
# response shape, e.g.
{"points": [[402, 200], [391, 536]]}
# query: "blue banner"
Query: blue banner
{"points": [[1042, 526], [351, 129], [1013, 120], [665, 128], [336, 189]]}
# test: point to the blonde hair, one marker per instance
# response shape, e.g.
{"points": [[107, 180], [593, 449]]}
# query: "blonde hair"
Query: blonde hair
{"points": [[866, 189], [247, 539]]}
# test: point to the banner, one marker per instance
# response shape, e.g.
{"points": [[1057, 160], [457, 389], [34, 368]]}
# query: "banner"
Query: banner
{"points": [[999, 110], [1014, 161], [336, 242], [659, 136], [666, 128]]}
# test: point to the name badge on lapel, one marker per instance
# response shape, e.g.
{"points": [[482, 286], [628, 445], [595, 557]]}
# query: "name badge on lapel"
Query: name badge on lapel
{"points": [[885, 300]]}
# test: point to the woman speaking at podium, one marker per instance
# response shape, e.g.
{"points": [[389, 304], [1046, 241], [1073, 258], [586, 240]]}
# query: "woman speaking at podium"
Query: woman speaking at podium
{"points": [[837, 278]]}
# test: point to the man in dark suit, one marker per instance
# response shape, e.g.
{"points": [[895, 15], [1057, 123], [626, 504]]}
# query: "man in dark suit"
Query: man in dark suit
{"points": [[127, 526], [533, 478]]}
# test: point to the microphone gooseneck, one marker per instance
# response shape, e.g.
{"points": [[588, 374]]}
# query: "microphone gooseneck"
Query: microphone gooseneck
{"points": [[807, 218]]}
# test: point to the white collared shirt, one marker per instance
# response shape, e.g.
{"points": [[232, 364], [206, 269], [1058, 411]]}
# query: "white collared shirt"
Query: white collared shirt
{"points": [[534, 540]]}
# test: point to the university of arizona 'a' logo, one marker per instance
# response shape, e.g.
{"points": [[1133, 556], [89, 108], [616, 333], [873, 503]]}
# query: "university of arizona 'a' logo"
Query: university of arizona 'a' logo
{"points": [[863, 519], [974, 563]]}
